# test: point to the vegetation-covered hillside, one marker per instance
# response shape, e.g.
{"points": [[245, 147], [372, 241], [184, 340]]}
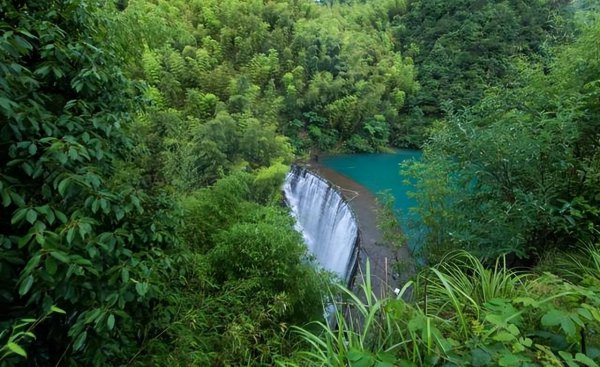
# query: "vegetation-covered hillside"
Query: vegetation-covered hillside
{"points": [[522, 164], [464, 47], [327, 77], [143, 145]]}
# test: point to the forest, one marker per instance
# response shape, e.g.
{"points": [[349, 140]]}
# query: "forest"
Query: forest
{"points": [[144, 143]]}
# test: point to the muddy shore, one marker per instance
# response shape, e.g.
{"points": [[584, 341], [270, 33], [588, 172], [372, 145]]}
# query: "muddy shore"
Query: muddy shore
{"points": [[382, 258]]}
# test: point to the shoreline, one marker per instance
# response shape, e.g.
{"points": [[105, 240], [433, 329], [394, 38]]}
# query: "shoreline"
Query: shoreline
{"points": [[382, 258]]}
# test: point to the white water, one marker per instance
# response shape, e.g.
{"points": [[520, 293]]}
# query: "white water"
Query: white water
{"points": [[324, 219]]}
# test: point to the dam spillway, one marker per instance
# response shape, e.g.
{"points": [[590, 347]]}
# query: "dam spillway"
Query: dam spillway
{"points": [[325, 220]]}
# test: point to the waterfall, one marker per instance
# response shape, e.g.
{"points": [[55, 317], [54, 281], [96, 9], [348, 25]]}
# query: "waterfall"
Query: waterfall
{"points": [[325, 220]]}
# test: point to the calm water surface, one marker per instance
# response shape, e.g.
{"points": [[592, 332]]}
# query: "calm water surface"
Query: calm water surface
{"points": [[379, 172]]}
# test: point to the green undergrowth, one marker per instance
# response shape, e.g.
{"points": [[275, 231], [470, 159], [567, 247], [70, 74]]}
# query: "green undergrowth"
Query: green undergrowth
{"points": [[467, 314]]}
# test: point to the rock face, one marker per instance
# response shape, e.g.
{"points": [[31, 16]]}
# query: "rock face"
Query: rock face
{"points": [[325, 220]]}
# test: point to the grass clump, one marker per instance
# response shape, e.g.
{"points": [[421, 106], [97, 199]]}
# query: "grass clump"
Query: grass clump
{"points": [[464, 314]]}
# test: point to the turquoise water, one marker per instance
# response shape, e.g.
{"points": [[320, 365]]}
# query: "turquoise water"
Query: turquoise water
{"points": [[380, 172], [377, 172]]}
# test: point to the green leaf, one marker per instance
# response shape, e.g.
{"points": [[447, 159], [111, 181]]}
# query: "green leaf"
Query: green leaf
{"points": [[503, 336], [585, 313], [406, 363], [568, 326], [80, 260], [18, 216], [51, 265], [526, 342], [110, 322], [509, 360], [553, 318], [70, 234], [23, 241], [78, 344], [480, 357], [26, 285], [386, 357], [31, 216], [42, 71], [124, 275], [39, 237], [141, 289], [580, 357], [5, 198], [385, 360], [61, 216], [62, 186], [33, 263], [54, 309], [359, 358], [526, 301], [7, 104], [50, 217], [112, 299], [16, 348], [95, 205], [94, 315], [84, 228], [22, 31], [77, 85], [568, 358], [60, 256], [513, 329], [28, 168], [22, 44], [104, 205], [18, 199]]}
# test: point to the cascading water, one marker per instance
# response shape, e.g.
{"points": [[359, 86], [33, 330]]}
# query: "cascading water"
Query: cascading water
{"points": [[325, 220]]}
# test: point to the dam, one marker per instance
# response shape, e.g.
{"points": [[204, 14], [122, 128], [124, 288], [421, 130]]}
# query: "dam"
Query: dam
{"points": [[325, 219]]}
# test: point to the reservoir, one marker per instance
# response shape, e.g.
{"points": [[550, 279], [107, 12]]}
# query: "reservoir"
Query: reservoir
{"points": [[381, 172]]}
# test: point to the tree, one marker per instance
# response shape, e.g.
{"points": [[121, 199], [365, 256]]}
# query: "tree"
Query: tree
{"points": [[73, 235], [464, 47], [517, 173]]}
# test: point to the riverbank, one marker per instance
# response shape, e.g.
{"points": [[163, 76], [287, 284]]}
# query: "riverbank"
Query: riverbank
{"points": [[384, 278]]}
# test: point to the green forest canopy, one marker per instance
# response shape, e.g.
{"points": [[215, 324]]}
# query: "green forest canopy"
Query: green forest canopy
{"points": [[144, 143]]}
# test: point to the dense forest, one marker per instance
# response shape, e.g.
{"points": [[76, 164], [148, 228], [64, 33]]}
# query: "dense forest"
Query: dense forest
{"points": [[144, 144]]}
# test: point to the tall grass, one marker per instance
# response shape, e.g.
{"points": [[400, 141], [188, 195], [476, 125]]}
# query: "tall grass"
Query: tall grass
{"points": [[390, 329], [370, 329], [464, 313], [578, 266], [458, 287]]}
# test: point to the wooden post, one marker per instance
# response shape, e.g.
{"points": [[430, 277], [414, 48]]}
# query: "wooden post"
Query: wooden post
{"points": [[384, 288]]}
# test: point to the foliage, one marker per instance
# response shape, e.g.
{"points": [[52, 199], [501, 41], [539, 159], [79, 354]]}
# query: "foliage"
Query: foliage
{"points": [[464, 315], [246, 280], [463, 47], [89, 222], [521, 166], [143, 149], [361, 337], [73, 235], [387, 219], [323, 76], [19, 334]]}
